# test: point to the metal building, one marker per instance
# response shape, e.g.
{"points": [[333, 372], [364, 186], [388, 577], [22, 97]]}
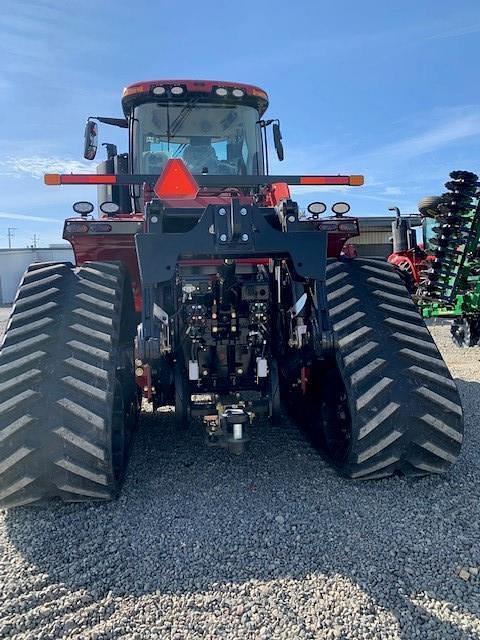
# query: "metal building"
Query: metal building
{"points": [[13, 263], [376, 235]]}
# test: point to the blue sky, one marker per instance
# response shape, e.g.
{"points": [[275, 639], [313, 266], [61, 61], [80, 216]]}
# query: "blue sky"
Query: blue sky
{"points": [[387, 89]]}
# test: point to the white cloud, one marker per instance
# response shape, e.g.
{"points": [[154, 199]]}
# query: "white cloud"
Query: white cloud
{"points": [[21, 216], [392, 191], [454, 129], [37, 166], [455, 33]]}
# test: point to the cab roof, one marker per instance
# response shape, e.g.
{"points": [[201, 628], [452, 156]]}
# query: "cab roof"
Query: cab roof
{"points": [[149, 90]]}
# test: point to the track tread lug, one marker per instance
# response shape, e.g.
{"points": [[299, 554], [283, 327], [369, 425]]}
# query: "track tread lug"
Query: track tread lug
{"points": [[101, 336], [410, 326], [354, 337], [346, 322], [393, 297], [339, 293], [433, 377], [403, 312], [16, 401], [99, 288], [442, 427], [95, 302], [81, 443], [16, 486], [19, 363], [393, 286], [87, 349], [84, 414], [367, 397], [15, 426], [444, 403], [417, 342], [79, 470], [343, 306], [360, 375], [35, 298], [336, 278], [14, 458], [89, 390]]}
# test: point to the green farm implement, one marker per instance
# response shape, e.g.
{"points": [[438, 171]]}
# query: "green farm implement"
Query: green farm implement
{"points": [[449, 286]]}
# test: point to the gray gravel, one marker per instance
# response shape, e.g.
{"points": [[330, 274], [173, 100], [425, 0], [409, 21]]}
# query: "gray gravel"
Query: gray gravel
{"points": [[270, 545]]}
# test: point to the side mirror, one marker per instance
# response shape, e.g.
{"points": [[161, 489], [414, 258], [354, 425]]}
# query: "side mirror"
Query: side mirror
{"points": [[90, 140], [277, 139]]}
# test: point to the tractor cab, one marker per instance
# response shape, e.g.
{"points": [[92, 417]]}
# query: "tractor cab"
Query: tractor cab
{"points": [[216, 129]]}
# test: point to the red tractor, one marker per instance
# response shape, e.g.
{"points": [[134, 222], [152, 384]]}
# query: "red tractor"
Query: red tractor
{"points": [[200, 285]]}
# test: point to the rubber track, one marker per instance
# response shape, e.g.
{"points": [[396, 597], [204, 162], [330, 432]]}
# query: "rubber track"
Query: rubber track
{"points": [[57, 374], [405, 407]]}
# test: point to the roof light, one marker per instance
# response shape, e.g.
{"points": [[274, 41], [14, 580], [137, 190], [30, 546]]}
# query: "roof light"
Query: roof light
{"points": [[238, 93], [221, 91], [340, 208], [317, 207], [176, 91], [109, 207], [83, 207], [159, 91], [176, 182]]}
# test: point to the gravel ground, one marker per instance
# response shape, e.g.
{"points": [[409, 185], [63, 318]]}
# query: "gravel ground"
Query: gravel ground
{"points": [[270, 545]]}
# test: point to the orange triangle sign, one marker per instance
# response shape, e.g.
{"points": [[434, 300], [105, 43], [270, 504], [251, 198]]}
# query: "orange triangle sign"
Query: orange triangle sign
{"points": [[176, 182]]}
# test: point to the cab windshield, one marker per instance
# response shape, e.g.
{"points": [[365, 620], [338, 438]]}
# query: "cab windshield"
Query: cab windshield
{"points": [[210, 138]]}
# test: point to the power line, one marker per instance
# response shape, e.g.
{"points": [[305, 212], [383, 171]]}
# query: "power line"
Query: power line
{"points": [[10, 234]]}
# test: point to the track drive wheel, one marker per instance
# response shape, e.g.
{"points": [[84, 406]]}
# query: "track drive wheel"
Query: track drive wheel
{"points": [[68, 402], [389, 404]]}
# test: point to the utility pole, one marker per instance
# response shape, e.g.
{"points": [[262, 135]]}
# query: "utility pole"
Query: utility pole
{"points": [[10, 234]]}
